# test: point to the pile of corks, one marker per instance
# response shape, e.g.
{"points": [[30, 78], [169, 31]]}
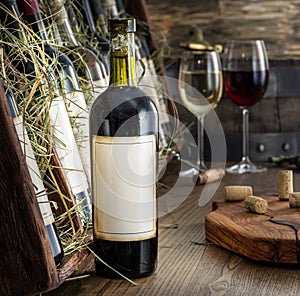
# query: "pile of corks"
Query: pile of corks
{"points": [[259, 205]]}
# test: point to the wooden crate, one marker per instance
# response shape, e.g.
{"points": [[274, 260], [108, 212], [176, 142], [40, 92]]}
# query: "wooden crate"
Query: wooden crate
{"points": [[27, 266]]}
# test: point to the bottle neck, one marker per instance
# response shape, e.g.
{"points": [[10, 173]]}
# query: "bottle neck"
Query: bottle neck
{"points": [[67, 34], [99, 17], [14, 109], [31, 14], [64, 30], [120, 8], [9, 16], [88, 16], [15, 34], [72, 17], [122, 60], [110, 8]]}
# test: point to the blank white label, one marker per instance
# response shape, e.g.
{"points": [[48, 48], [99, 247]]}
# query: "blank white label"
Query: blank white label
{"points": [[124, 174], [34, 172]]}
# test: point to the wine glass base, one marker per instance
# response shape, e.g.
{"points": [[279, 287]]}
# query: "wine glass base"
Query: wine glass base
{"points": [[245, 167]]}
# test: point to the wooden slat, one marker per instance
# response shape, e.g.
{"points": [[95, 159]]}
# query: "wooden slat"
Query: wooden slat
{"points": [[71, 263], [27, 265]]}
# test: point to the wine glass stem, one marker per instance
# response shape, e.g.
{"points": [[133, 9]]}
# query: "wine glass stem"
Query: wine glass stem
{"points": [[245, 113], [200, 139]]}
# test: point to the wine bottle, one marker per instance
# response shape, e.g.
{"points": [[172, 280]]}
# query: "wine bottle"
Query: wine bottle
{"points": [[124, 145], [74, 98], [99, 16], [99, 46], [63, 137], [110, 9], [43, 201], [89, 67], [85, 61], [8, 17], [121, 9], [88, 18], [84, 9], [157, 83]]}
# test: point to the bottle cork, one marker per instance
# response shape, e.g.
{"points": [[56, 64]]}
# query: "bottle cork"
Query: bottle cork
{"points": [[256, 204], [285, 184], [211, 175], [294, 199], [236, 193]]}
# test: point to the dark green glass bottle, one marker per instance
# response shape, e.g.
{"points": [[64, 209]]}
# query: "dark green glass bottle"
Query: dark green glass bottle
{"points": [[124, 143]]}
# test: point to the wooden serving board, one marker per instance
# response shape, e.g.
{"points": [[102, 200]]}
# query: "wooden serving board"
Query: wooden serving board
{"points": [[271, 237]]}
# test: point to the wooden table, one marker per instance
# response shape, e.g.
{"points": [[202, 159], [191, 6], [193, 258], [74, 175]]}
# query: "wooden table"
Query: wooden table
{"points": [[188, 264]]}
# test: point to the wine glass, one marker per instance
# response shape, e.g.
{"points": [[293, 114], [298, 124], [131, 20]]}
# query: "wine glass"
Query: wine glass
{"points": [[200, 88], [245, 74]]}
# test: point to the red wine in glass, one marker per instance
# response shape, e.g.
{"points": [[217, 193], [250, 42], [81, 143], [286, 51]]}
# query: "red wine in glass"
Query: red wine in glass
{"points": [[245, 88], [245, 75]]}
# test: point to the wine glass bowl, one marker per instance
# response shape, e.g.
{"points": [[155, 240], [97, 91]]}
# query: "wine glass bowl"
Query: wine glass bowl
{"points": [[245, 73], [200, 88], [202, 71]]}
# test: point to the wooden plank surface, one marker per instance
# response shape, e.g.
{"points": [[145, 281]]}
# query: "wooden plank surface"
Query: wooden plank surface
{"points": [[188, 264]]}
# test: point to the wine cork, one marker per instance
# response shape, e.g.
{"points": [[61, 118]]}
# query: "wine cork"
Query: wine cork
{"points": [[236, 193], [294, 199], [256, 204], [285, 184], [211, 175]]}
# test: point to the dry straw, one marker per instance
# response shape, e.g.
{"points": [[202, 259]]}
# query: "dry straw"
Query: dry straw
{"points": [[34, 95]]}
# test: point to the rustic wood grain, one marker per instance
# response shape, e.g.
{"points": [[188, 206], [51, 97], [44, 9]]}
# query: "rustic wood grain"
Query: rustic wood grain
{"points": [[69, 264], [277, 22], [27, 265], [65, 199], [188, 264], [270, 237]]}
